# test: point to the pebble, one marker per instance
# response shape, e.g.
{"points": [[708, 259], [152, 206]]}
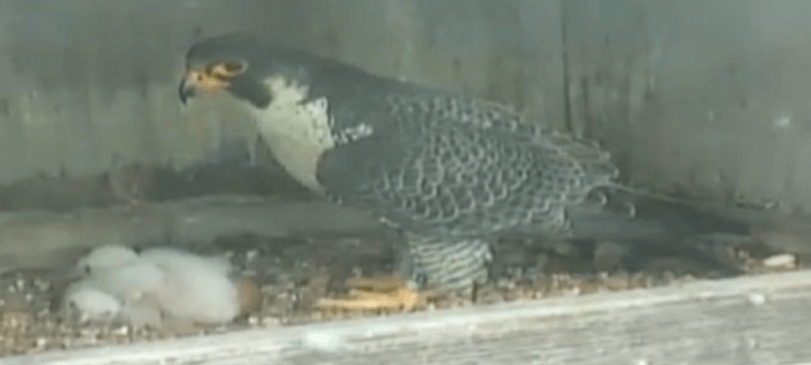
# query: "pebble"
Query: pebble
{"points": [[783, 261]]}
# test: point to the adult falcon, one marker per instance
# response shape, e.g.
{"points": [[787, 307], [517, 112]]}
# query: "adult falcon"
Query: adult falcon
{"points": [[451, 172]]}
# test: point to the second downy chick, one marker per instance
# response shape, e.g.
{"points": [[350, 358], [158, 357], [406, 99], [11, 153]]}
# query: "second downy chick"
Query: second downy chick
{"points": [[158, 282]]}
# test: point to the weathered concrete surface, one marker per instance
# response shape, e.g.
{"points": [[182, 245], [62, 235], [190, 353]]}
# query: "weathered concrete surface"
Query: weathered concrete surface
{"points": [[55, 240], [703, 97], [93, 83], [748, 320], [708, 97]]}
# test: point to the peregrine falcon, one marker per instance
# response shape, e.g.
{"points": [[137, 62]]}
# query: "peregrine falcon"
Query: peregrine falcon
{"points": [[451, 172]]}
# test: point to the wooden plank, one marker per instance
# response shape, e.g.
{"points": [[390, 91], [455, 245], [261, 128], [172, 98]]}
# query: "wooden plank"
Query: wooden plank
{"points": [[748, 320]]}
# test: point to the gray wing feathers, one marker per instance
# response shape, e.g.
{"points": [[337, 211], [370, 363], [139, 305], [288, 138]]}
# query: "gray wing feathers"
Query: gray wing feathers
{"points": [[456, 166], [595, 163]]}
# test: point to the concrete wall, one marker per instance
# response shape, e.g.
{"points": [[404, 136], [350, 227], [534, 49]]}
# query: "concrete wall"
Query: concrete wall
{"points": [[710, 97], [702, 96], [91, 83]]}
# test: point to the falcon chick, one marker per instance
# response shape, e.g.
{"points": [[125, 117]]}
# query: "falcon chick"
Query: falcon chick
{"points": [[453, 173], [118, 283]]}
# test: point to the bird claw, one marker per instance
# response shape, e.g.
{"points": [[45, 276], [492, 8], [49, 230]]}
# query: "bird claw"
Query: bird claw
{"points": [[382, 294]]}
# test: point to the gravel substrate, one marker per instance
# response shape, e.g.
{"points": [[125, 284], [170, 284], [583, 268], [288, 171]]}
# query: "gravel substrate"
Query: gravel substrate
{"points": [[294, 273]]}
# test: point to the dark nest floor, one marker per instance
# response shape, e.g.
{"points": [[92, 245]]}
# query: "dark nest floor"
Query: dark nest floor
{"points": [[295, 272]]}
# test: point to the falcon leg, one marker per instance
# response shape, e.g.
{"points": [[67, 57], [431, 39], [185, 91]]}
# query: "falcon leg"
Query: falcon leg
{"points": [[447, 264], [441, 264]]}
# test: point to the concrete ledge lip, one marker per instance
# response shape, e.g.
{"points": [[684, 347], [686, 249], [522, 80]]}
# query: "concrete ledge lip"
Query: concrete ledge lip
{"points": [[363, 340]]}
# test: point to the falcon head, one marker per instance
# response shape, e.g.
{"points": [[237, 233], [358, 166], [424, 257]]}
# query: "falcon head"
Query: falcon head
{"points": [[240, 63]]}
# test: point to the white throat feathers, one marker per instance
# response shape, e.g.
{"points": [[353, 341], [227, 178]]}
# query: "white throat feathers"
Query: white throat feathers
{"points": [[297, 133]]}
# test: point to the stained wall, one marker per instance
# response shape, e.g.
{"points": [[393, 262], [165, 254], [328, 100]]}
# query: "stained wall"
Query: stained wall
{"points": [[707, 98]]}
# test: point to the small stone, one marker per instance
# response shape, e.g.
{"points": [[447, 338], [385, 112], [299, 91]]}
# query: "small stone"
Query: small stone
{"points": [[271, 321], [505, 283], [757, 299], [121, 331], [253, 321], [19, 283], [251, 255], [782, 261], [357, 271], [18, 319], [42, 285]]}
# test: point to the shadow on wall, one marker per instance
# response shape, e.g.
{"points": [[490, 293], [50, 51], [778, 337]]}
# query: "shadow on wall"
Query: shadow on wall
{"points": [[135, 183]]}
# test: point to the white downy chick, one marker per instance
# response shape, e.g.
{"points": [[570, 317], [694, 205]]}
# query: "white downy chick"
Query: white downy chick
{"points": [[114, 283], [106, 257], [92, 304], [196, 288], [179, 284], [142, 312], [166, 255], [118, 271], [129, 282]]}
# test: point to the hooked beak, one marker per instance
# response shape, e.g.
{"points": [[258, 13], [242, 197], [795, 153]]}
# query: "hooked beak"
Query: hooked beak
{"points": [[195, 80], [185, 92]]}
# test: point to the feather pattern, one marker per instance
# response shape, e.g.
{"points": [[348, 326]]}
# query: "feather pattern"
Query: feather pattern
{"points": [[451, 171], [456, 166]]}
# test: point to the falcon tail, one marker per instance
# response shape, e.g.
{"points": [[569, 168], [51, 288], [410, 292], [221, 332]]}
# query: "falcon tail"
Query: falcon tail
{"points": [[623, 213], [654, 223]]}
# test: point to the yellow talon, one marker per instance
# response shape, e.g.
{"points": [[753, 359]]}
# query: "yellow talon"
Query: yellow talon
{"points": [[383, 294]]}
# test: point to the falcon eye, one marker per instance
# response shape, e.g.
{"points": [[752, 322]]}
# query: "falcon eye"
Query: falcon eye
{"points": [[228, 69], [233, 67]]}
